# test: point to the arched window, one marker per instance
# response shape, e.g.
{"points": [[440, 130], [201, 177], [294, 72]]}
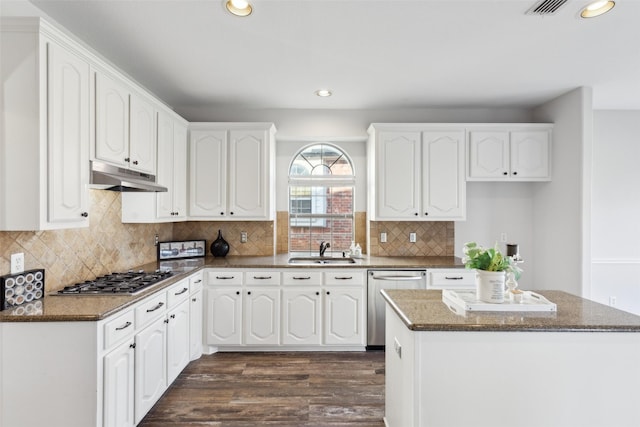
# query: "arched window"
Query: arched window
{"points": [[321, 187]]}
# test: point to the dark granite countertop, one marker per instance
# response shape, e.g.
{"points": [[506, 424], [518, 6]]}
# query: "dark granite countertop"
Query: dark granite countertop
{"points": [[56, 308], [423, 310]]}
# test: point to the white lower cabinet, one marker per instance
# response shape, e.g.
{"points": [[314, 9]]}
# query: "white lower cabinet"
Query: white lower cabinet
{"points": [[119, 386], [178, 340], [301, 316], [289, 308], [344, 316], [195, 315], [261, 312], [150, 367]]}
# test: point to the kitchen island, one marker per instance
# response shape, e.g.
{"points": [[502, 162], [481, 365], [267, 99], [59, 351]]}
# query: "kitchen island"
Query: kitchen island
{"points": [[578, 366]]}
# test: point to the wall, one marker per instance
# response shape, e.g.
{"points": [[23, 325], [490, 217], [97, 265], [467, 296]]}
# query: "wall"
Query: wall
{"points": [[70, 256], [615, 254], [561, 208]]}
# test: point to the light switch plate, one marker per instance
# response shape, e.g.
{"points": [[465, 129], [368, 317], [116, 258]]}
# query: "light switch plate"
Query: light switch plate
{"points": [[243, 237], [412, 237], [383, 237]]}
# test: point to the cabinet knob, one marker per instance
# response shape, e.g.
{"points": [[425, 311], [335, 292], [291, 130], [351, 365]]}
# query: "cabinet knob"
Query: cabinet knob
{"points": [[221, 213], [515, 173], [133, 345], [505, 173], [317, 293], [416, 214], [173, 316], [194, 299], [84, 214], [127, 159], [328, 292], [135, 162], [237, 292], [248, 292], [426, 213], [166, 320], [230, 213]]}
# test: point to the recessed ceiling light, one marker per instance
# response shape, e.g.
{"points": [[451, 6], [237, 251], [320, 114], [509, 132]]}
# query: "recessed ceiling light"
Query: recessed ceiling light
{"points": [[323, 93], [597, 8], [239, 7]]}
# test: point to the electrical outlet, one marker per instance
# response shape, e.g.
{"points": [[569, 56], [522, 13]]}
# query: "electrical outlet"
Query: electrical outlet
{"points": [[383, 237], [17, 263], [156, 240], [612, 301], [243, 237], [503, 237], [412, 237]]}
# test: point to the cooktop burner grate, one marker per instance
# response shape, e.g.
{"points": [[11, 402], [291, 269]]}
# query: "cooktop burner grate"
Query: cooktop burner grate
{"points": [[128, 283]]}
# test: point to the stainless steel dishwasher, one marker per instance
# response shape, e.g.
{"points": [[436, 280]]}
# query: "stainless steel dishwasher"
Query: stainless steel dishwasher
{"points": [[386, 279]]}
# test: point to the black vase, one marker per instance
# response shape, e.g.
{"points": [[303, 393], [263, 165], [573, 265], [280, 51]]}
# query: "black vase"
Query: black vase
{"points": [[219, 247]]}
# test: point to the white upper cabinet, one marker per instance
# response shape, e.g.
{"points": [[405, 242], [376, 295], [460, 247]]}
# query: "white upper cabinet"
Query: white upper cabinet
{"points": [[232, 171], [169, 206], [443, 185], [416, 172], [125, 126], [509, 153], [45, 90]]}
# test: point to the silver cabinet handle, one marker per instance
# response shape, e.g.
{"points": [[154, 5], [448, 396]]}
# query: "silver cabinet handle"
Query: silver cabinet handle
{"points": [[302, 278], [343, 278], [182, 291], [160, 304], [262, 277], [224, 277], [125, 326]]}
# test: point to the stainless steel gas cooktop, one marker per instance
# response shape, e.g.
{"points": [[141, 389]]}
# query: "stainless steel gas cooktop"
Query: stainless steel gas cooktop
{"points": [[128, 283]]}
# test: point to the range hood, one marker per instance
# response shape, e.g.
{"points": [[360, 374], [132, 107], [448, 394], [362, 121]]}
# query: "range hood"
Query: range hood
{"points": [[113, 178]]}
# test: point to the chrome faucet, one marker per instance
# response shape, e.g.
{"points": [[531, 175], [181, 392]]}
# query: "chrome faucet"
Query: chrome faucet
{"points": [[323, 247]]}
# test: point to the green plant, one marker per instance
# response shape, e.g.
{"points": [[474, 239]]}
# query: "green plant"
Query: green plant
{"points": [[479, 258]]}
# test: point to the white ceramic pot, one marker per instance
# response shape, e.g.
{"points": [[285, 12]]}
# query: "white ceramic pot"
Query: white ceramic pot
{"points": [[490, 286]]}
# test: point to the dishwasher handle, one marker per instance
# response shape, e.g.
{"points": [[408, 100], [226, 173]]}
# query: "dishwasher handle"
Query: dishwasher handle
{"points": [[397, 278]]}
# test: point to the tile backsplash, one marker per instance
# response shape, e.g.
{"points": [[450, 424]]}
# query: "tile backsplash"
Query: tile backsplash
{"points": [[433, 238], [108, 245], [74, 255]]}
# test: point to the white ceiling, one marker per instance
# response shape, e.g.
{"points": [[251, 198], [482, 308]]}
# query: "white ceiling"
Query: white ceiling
{"points": [[373, 54]]}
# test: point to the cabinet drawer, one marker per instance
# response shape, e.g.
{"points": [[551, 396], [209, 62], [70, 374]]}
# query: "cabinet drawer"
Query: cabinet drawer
{"points": [[151, 308], [224, 278], [302, 278], [119, 328], [262, 278], [452, 279], [195, 282], [348, 277], [177, 293]]}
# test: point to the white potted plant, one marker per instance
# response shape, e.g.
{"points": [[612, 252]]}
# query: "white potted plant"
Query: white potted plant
{"points": [[491, 268]]}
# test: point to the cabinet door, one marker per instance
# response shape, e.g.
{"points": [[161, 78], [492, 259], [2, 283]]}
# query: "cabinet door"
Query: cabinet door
{"points": [[150, 367], [301, 316], [68, 144], [142, 143], [489, 155], [443, 183], [165, 166], [248, 174], [208, 171], [112, 121], [178, 345], [179, 170], [398, 175], [530, 154], [262, 316], [195, 328], [224, 315], [344, 316], [119, 387]]}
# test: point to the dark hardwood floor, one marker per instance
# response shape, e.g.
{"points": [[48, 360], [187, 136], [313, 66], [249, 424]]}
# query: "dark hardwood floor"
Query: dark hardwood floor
{"points": [[301, 389]]}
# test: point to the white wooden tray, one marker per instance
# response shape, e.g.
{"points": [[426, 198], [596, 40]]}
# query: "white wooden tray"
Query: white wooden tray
{"points": [[462, 301]]}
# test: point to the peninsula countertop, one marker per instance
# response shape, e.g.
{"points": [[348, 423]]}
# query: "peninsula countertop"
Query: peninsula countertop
{"points": [[423, 310], [53, 308]]}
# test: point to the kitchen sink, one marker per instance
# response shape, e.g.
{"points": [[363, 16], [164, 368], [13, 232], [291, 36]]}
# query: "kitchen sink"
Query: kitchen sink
{"points": [[311, 260]]}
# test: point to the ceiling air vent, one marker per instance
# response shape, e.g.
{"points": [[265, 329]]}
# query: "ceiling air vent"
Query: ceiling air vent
{"points": [[546, 7]]}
